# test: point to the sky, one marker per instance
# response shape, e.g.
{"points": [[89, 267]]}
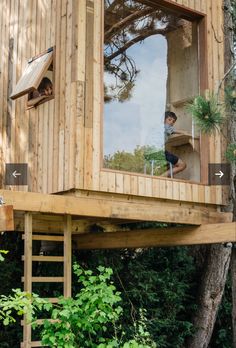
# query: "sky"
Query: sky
{"points": [[139, 121]]}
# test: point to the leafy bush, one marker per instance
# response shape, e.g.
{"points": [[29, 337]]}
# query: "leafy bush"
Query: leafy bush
{"points": [[84, 321], [2, 252], [90, 319], [19, 303], [161, 280]]}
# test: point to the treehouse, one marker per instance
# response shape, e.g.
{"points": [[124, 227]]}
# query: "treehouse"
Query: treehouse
{"points": [[80, 158]]}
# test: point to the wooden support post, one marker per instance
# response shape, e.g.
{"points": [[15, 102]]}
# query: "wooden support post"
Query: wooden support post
{"points": [[27, 273], [67, 255], [6, 218]]}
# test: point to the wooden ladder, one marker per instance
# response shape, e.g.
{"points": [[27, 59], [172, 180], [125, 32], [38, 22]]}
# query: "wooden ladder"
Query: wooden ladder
{"points": [[28, 259]]}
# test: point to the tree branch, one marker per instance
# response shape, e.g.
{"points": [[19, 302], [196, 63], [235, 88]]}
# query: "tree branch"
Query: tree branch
{"points": [[134, 41], [125, 22], [224, 77], [113, 5]]}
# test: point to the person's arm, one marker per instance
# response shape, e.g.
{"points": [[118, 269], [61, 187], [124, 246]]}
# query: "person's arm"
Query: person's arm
{"points": [[34, 101], [179, 131]]}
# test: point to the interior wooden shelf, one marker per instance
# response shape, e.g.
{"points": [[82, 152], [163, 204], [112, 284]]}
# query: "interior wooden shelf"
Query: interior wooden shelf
{"points": [[183, 139]]}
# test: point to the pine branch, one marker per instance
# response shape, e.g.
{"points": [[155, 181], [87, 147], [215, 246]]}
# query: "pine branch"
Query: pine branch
{"points": [[117, 27], [134, 41], [112, 6]]}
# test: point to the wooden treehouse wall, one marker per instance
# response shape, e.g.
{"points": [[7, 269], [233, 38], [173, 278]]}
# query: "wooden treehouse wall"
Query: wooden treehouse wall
{"points": [[43, 137], [61, 140]]}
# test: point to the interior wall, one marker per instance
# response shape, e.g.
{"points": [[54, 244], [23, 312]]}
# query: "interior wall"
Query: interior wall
{"points": [[183, 72], [182, 87]]}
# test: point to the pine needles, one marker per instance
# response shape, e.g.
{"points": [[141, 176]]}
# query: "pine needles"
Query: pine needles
{"points": [[231, 153], [206, 113]]}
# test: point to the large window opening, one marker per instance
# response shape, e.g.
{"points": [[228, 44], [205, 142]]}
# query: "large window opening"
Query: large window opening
{"points": [[151, 68]]}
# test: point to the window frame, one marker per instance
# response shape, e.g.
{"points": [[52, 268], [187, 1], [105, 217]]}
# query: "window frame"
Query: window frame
{"points": [[45, 59], [201, 19]]}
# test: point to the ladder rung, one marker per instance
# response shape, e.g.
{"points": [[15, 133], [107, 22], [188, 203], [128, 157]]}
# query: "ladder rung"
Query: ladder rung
{"points": [[33, 344], [45, 279], [41, 321], [52, 299], [47, 238], [43, 258]]}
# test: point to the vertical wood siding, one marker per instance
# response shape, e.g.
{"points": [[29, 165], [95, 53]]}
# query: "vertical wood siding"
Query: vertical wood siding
{"points": [[50, 137]]}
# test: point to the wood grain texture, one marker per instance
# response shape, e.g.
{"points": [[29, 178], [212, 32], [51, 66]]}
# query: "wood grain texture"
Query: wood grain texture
{"points": [[113, 208], [6, 218], [61, 140], [162, 237]]}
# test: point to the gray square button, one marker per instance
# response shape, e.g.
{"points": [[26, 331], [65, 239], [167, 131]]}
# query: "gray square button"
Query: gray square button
{"points": [[16, 174], [218, 173]]}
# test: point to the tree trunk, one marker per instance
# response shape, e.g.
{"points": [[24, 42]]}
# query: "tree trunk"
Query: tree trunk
{"points": [[210, 294], [233, 274], [218, 259], [229, 30]]}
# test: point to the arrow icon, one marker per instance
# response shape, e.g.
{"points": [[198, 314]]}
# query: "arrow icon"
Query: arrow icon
{"points": [[220, 174], [15, 174]]}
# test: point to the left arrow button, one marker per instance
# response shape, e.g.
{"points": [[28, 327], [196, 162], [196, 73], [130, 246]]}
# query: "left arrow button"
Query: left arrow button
{"points": [[15, 174]]}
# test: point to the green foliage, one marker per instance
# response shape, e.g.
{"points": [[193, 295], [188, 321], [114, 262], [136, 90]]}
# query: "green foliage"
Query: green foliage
{"points": [[231, 152], [206, 113], [136, 161], [1, 254], [10, 272], [141, 333], [230, 93], [90, 320], [163, 288], [122, 160], [19, 303], [160, 280], [84, 321], [158, 157]]}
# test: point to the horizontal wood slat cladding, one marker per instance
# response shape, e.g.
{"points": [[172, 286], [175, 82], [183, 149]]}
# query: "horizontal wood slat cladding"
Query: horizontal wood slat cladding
{"points": [[61, 139]]}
